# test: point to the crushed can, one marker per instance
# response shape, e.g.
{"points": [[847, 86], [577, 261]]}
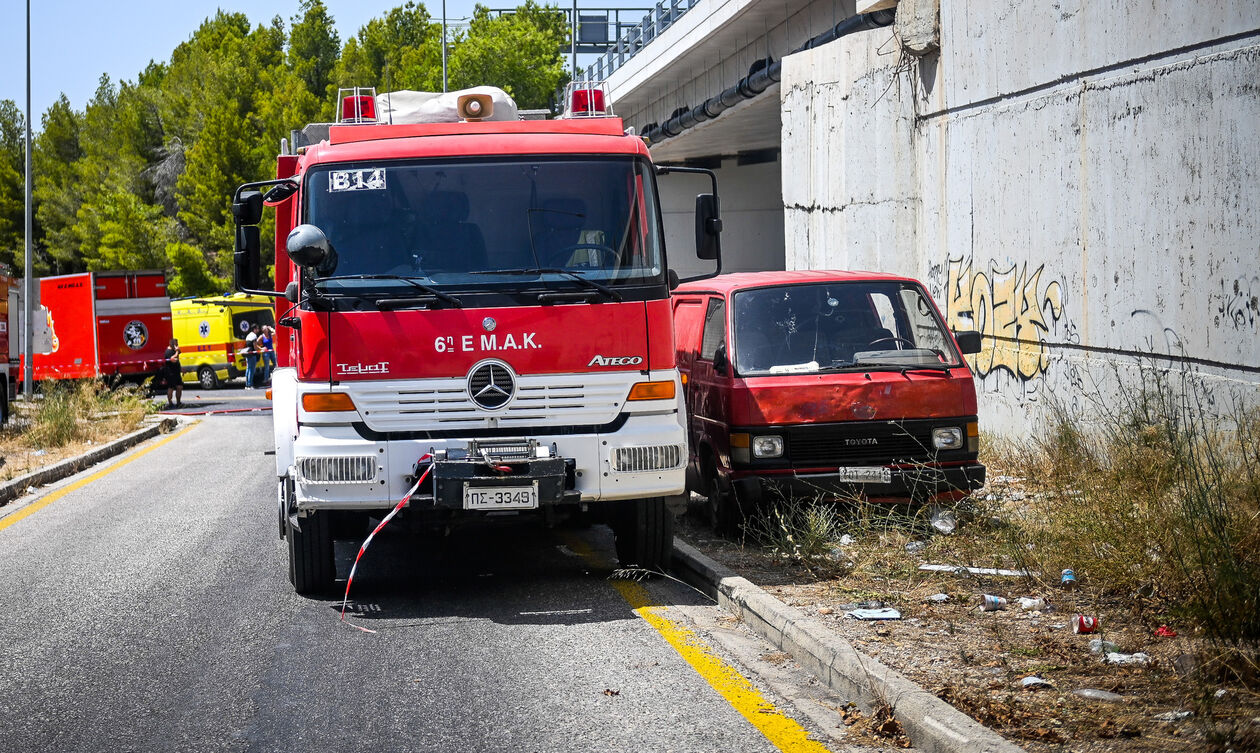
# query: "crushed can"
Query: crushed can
{"points": [[1082, 624], [992, 603], [1068, 579]]}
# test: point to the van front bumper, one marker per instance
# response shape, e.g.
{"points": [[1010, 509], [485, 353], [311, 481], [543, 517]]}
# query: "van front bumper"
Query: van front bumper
{"points": [[917, 483]]}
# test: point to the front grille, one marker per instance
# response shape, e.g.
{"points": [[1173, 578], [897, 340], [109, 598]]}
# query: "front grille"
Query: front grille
{"points": [[868, 443], [654, 458], [355, 469], [441, 404]]}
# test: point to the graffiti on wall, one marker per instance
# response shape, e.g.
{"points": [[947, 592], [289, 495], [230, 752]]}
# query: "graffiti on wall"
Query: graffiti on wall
{"points": [[1013, 308], [1239, 308]]}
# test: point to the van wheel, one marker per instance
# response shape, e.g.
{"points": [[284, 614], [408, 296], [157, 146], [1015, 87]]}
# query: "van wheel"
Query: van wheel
{"points": [[724, 517], [207, 378], [644, 534], [311, 566]]}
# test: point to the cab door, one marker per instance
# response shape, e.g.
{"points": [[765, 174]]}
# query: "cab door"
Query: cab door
{"points": [[708, 399], [688, 324]]}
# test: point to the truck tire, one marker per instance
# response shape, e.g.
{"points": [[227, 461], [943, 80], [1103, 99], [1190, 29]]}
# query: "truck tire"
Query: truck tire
{"points": [[725, 516], [311, 566], [207, 378], [644, 534]]}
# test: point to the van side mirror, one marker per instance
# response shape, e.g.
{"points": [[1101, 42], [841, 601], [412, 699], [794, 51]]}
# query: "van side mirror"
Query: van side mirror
{"points": [[968, 341], [708, 226], [248, 208], [672, 278], [246, 259], [720, 362]]}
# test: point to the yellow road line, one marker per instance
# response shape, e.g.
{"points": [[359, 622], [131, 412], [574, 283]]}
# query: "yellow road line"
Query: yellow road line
{"points": [[53, 496], [782, 731]]}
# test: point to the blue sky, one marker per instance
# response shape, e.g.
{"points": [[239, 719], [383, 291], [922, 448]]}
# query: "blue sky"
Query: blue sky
{"points": [[75, 41]]}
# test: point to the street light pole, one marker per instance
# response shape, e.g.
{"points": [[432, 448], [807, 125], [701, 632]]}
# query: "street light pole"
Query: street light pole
{"points": [[28, 329], [443, 45], [573, 27]]}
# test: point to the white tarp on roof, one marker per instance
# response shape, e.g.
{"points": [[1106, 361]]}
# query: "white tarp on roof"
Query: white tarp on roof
{"points": [[438, 107]]}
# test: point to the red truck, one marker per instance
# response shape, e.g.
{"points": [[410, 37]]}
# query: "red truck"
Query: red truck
{"points": [[817, 383], [111, 324], [477, 303]]}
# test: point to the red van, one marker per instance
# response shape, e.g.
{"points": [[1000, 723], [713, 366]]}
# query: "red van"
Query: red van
{"points": [[823, 383]]}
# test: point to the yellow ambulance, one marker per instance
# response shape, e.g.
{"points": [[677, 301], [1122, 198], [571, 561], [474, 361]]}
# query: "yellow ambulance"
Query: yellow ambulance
{"points": [[211, 331]]}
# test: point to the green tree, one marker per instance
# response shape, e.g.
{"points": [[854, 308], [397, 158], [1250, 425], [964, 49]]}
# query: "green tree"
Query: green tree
{"points": [[57, 188], [12, 184], [518, 52], [314, 47], [117, 230], [400, 51]]}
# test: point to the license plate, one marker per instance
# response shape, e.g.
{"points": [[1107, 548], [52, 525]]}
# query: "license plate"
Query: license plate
{"points": [[500, 497], [866, 474]]}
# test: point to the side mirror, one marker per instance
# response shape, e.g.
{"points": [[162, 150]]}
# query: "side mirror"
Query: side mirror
{"points": [[307, 246], [279, 193], [968, 341], [720, 363], [672, 277], [248, 208], [248, 253], [708, 226], [291, 291]]}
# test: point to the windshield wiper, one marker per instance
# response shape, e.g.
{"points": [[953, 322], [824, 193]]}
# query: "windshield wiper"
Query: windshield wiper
{"points": [[878, 365], [556, 271], [434, 292]]}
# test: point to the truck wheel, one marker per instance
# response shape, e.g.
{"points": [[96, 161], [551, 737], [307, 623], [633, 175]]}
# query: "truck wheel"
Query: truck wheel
{"points": [[311, 566], [644, 534], [207, 378]]}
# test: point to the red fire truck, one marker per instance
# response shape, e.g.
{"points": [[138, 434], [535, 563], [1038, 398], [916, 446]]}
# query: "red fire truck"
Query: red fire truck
{"points": [[104, 324], [475, 307]]}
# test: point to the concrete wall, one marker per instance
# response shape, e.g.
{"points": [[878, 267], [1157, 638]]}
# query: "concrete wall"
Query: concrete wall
{"points": [[752, 218], [1082, 179]]}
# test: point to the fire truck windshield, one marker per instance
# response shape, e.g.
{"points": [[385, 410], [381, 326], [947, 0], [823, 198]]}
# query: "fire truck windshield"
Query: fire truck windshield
{"points": [[454, 225]]}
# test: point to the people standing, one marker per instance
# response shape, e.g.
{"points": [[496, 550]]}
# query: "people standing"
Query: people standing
{"points": [[268, 352], [173, 375], [251, 356]]}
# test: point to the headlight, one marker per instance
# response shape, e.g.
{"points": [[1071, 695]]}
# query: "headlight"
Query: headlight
{"points": [[950, 438], [767, 447]]}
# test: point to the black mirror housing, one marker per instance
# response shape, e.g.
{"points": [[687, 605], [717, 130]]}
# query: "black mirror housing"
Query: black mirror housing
{"points": [[279, 192], [720, 362], [248, 208], [307, 246], [246, 260], [968, 341], [672, 278], [708, 226]]}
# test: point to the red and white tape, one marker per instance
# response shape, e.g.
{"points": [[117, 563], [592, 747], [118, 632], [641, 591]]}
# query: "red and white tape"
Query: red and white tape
{"points": [[366, 542]]}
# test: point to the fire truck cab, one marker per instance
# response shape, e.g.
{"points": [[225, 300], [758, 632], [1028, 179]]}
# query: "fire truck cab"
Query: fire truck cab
{"points": [[474, 311]]}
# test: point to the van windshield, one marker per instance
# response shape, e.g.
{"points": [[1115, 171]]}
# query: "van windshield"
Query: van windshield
{"points": [[468, 224], [835, 326]]}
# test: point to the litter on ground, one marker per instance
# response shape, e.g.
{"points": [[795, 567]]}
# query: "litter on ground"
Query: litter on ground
{"points": [[887, 613]]}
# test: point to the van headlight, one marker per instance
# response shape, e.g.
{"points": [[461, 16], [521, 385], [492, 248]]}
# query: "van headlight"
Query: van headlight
{"points": [[949, 438], [767, 447]]}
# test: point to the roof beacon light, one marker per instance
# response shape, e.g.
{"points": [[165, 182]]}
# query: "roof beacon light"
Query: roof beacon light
{"points": [[587, 99], [358, 105]]}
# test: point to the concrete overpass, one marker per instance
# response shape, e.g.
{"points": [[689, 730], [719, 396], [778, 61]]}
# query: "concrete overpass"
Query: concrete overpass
{"points": [[1078, 179]]}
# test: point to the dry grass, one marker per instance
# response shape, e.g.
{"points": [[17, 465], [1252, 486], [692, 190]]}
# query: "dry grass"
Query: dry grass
{"points": [[65, 419]]}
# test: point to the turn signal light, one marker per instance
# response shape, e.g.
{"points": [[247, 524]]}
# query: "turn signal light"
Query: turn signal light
{"points": [[326, 402], [268, 393], [652, 391]]}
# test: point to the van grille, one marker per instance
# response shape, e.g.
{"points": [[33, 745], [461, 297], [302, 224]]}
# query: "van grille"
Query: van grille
{"points": [[869, 443]]}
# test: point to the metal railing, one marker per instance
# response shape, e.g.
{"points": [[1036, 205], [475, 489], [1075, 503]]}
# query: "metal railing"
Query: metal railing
{"points": [[633, 39]]}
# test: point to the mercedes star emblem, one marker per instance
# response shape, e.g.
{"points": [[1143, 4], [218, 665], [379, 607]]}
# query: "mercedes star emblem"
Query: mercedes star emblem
{"points": [[490, 385], [489, 324]]}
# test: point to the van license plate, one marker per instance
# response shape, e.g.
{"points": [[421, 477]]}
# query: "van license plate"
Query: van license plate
{"points": [[500, 497], [866, 474]]}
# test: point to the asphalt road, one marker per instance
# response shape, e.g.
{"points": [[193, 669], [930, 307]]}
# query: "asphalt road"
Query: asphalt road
{"points": [[150, 610]]}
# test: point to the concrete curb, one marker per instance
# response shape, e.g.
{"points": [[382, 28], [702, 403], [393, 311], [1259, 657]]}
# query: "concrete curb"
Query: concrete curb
{"points": [[932, 724], [14, 488]]}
